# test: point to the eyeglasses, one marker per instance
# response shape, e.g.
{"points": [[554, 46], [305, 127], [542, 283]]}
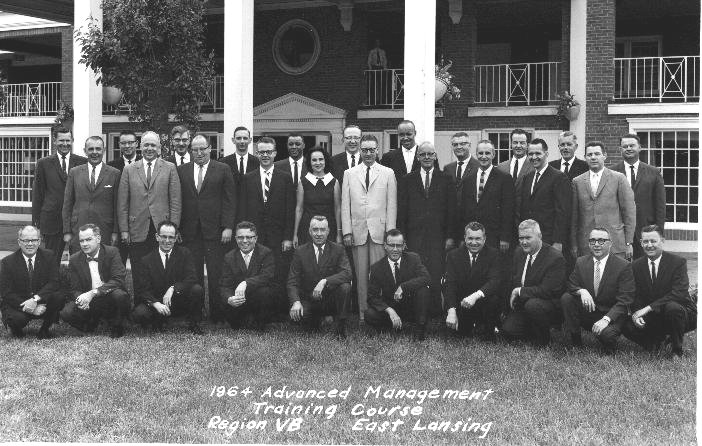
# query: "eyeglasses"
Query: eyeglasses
{"points": [[426, 155], [203, 149], [598, 241], [245, 237], [395, 245], [265, 152], [181, 139], [352, 138], [368, 150], [27, 241]]}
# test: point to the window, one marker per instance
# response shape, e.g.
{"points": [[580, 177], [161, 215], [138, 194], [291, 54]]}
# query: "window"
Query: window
{"points": [[18, 157], [676, 154], [296, 47], [500, 139]]}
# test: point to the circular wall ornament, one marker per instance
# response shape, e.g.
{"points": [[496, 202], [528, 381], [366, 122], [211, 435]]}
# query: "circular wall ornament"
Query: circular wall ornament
{"points": [[296, 47]]}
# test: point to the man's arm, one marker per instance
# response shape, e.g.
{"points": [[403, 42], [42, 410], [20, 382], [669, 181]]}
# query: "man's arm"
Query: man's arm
{"points": [[122, 215], [265, 274], [402, 204], [575, 208], [188, 277], [289, 210], [226, 280], [391, 221], [375, 292], [8, 293], [117, 272], [507, 215], [343, 274], [174, 197], [294, 278], [494, 280], [68, 202], [551, 286], [626, 288], [143, 285], [420, 275], [38, 189], [228, 200], [453, 274], [563, 196], [659, 199], [627, 208], [76, 285], [345, 205], [679, 287]]}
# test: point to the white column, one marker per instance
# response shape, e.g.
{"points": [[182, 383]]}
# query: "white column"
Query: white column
{"points": [[578, 59], [87, 95], [238, 68], [420, 28]]}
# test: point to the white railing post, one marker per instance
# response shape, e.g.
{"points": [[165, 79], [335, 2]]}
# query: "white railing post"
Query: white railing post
{"points": [[508, 91], [684, 78], [660, 79]]}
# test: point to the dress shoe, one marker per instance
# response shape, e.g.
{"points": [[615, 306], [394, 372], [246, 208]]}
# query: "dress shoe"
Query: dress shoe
{"points": [[116, 332], [341, 329], [419, 332], [196, 329], [44, 333]]}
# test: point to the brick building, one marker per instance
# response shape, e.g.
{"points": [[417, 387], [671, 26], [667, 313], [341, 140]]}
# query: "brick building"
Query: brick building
{"points": [[302, 66]]}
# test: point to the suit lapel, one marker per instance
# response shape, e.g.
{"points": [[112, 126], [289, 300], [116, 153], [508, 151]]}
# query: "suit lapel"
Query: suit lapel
{"points": [[603, 181], [373, 175], [589, 273], [258, 187], [190, 179], [62, 174], [488, 184], [100, 177], [140, 166]]}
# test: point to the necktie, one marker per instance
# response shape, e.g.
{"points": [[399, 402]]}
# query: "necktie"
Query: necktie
{"points": [[515, 171], [633, 176], [266, 186], [199, 178], [30, 270], [565, 167], [597, 276], [241, 164], [63, 163], [295, 177], [353, 160], [536, 180], [95, 280], [320, 182], [527, 267], [472, 260], [481, 186], [320, 251], [92, 259], [470, 264], [459, 170], [367, 177], [396, 272], [165, 263], [148, 174], [653, 273], [182, 159], [247, 259], [427, 183], [92, 178], [595, 184]]}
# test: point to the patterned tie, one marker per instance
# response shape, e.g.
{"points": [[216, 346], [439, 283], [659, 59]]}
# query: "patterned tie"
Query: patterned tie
{"points": [[241, 164], [481, 187], [320, 182], [653, 273], [536, 180], [266, 186], [63, 162], [92, 178], [148, 174], [295, 178], [396, 272], [633, 175], [515, 171], [353, 160], [247, 259], [367, 178], [459, 169], [199, 178], [565, 167], [597, 276], [30, 271]]}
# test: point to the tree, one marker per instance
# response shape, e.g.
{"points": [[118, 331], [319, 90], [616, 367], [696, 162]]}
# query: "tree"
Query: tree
{"points": [[153, 50]]}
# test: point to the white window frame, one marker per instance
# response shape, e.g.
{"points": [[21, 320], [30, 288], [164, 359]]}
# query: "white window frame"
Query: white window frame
{"points": [[486, 135], [21, 132]]}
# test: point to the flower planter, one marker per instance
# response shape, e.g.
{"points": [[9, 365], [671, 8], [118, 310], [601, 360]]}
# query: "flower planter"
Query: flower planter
{"points": [[111, 95], [440, 89], [572, 113]]}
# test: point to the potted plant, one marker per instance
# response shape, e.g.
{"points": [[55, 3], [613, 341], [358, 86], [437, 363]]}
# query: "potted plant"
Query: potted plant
{"points": [[568, 107], [444, 86], [64, 116]]}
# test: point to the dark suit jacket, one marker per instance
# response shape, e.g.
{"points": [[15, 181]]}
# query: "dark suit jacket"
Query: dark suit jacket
{"points": [[280, 224], [394, 160], [649, 195], [433, 216], [47, 192], [172, 159], [578, 167], [211, 210], [549, 205], [284, 166], [616, 292], [259, 273], [112, 272], [340, 165], [82, 204], [382, 287], [305, 273], [14, 278], [118, 163], [672, 283], [547, 275], [495, 210], [153, 280], [233, 162], [485, 275]]}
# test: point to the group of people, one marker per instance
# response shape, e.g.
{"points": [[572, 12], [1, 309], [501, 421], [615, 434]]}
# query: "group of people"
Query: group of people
{"points": [[514, 248]]}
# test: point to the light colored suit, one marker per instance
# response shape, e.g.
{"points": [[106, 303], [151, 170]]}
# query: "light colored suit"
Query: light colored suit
{"points": [[137, 203], [613, 207], [368, 212]]}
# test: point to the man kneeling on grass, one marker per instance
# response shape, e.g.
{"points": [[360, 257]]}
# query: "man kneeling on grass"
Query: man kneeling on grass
{"points": [[98, 285], [398, 290], [166, 283], [319, 282]]}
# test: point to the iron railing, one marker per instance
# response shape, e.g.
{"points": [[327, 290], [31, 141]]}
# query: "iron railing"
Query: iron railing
{"points": [[32, 99], [517, 84], [384, 88], [670, 79]]}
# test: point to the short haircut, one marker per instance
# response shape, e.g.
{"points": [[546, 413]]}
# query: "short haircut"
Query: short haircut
{"points": [[127, 133], [246, 225], [55, 130], [540, 141], [179, 129], [240, 128], [425, 144], [530, 224], [394, 233], [407, 121], [199, 135], [519, 132], [94, 139], [296, 135], [653, 228], [319, 218], [308, 158], [599, 144], [94, 227], [601, 228], [459, 135], [474, 226], [568, 134], [166, 223], [21, 230], [266, 140], [151, 132], [369, 137], [352, 126], [485, 141], [630, 135]]}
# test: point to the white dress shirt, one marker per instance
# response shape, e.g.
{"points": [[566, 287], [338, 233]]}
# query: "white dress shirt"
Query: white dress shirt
{"points": [[317, 252], [263, 179], [477, 178], [526, 262], [128, 161], [658, 266], [541, 175], [595, 178], [627, 171], [392, 267], [423, 174], [98, 169], [196, 168], [520, 164], [163, 256], [357, 157], [299, 163], [409, 156], [246, 257], [185, 160], [96, 281]]}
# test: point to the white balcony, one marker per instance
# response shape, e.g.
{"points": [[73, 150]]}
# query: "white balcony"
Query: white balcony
{"points": [[33, 99], [533, 83], [657, 79], [384, 89]]}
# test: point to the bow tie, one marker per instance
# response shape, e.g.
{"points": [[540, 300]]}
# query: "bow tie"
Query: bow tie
{"points": [[92, 259]]}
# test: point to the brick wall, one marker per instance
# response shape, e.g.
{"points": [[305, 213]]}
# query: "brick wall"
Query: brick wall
{"points": [[564, 72], [67, 64]]}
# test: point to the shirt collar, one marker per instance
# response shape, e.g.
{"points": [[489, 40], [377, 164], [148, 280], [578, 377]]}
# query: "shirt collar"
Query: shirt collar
{"points": [[657, 261], [603, 260], [430, 172], [411, 149], [636, 164], [95, 256], [128, 161], [263, 171], [326, 179], [543, 169], [487, 171], [204, 166], [392, 264], [34, 258]]}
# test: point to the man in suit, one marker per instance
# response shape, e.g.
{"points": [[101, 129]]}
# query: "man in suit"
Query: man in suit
{"points": [[241, 161], [425, 213], [208, 213], [294, 164], [127, 147], [149, 192], [538, 281], [488, 198], [647, 183], [97, 284], [29, 285], [398, 290], [517, 166], [603, 198], [464, 163], [245, 285], [166, 284], [48, 189], [473, 282], [569, 164], [180, 143], [268, 201], [662, 306], [91, 196], [404, 159], [599, 293], [368, 210], [319, 282], [351, 156], [546, 197]]}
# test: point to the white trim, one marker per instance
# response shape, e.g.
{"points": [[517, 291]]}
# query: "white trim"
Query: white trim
{"points": [[27, 120], [25, 131], [398, 113], [682, 226], [532, 110], [16, 204], [654, 108], [14, 217], [663, 123]]}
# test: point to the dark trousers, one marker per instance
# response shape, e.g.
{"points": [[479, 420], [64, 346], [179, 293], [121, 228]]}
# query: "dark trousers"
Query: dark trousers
{"points": [[55, 243], [532, 321], [674, 320], [210, 253], [638, 250], [433, 255], [335, 301], [576, 317], [260, 302], [413, 306], [113, 307], [137, 250], [187, 303], [486, 311], [123, 251], [18, 319]]}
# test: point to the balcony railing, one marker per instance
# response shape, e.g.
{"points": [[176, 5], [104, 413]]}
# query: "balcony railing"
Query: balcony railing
{"points": [[517, 84], [669, 79], [35, 99], [384, 88]]}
